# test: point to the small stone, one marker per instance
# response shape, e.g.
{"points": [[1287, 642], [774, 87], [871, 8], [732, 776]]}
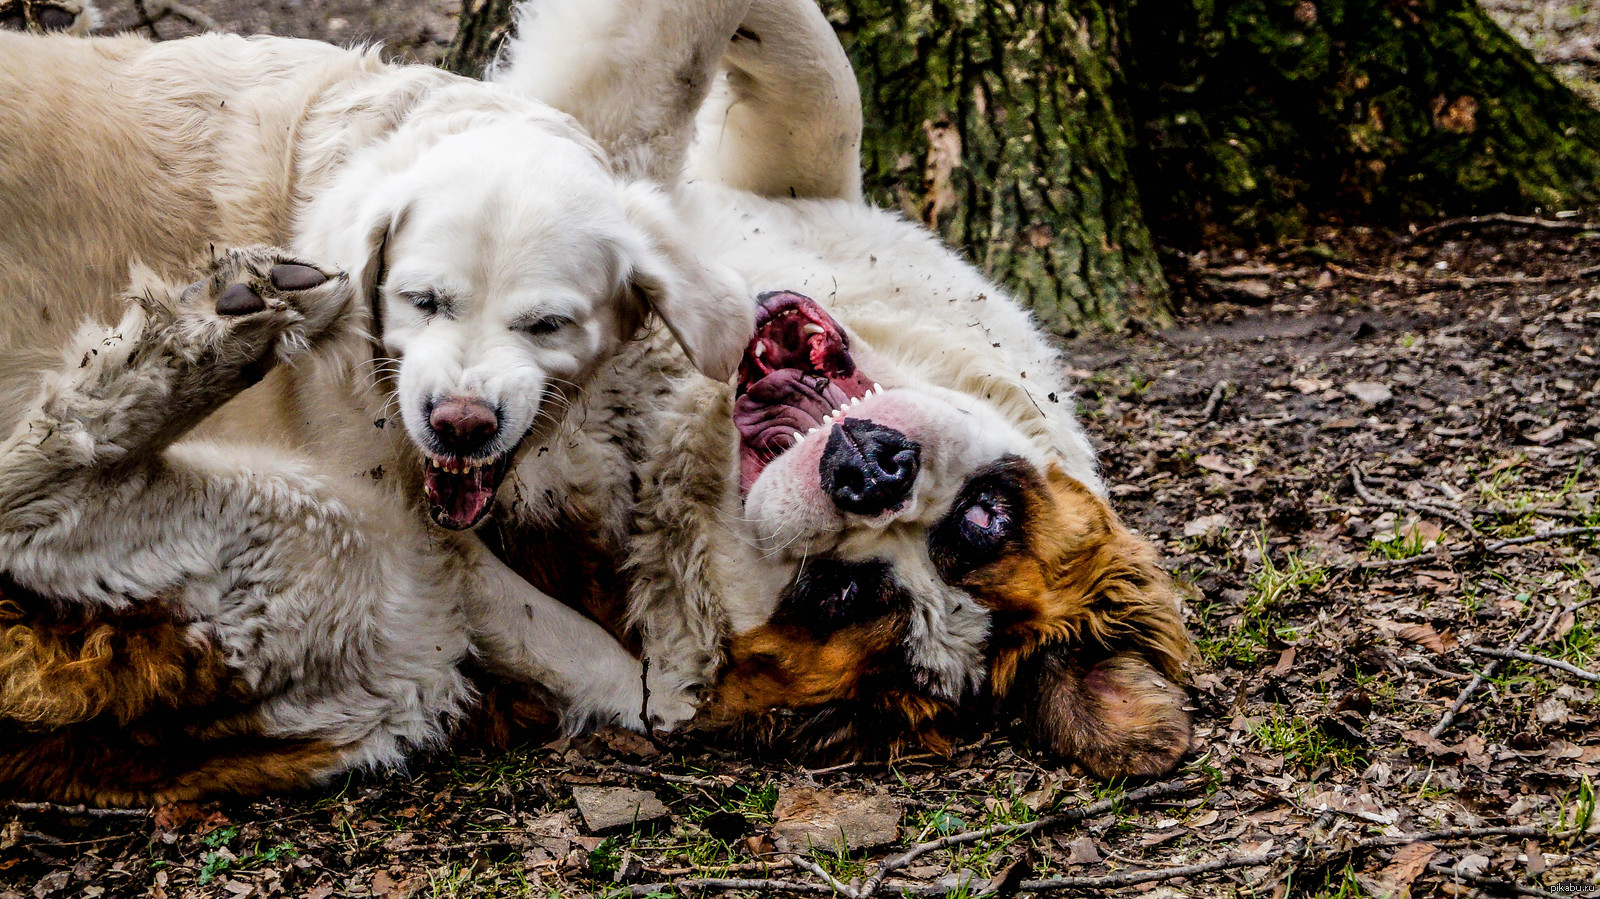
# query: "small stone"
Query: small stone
{"points": [[1552, 711], [810, 818], [613, 808], [1205, 525], [1371, 393]]}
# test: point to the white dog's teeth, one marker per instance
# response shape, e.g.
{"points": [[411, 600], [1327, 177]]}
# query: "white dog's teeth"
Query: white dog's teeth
{"points": [[760, 350], [810, 432], [812, 328], [876, 386]]}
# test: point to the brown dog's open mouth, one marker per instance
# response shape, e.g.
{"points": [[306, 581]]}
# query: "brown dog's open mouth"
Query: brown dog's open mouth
{"points": [[461, 491], [797, 374]]}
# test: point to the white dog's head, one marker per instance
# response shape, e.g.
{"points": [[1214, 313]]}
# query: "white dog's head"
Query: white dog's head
{"points": [[504, 264]]}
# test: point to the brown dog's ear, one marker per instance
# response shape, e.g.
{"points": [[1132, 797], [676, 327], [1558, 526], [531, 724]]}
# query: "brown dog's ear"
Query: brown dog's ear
{"points": [[1119, 717], [1102, 684]]}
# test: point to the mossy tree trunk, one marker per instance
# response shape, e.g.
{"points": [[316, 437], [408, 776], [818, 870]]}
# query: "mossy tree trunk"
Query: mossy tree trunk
{"points": [[998, 124], [1258, 118], [1040, 136]]}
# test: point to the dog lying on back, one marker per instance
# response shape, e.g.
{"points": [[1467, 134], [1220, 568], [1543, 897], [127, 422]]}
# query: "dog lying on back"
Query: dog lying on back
{"points": [[221, 573], [890, 530]]}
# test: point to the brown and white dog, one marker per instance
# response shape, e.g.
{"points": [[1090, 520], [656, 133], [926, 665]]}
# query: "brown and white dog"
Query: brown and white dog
{"points": [[890, 530]]}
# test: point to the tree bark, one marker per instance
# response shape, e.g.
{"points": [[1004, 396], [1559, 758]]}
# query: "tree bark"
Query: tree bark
{"points": [[484, 25], [1260, 118], [1039, 136], [997, 123]]}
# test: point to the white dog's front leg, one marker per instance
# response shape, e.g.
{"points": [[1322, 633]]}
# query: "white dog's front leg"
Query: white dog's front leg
{"points": [[521, 632]]}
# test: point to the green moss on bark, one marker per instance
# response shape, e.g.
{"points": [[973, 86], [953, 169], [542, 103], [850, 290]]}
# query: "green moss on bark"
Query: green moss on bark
{"points": [[1258, 116], [997, 123]]}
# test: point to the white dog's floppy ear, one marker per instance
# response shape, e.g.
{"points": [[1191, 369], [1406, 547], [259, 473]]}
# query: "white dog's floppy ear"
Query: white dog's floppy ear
{"points": [[375, 269], [707, 307]]}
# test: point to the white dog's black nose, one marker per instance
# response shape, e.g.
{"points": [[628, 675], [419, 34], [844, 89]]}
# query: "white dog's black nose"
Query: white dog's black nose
{"points": [[867, 468], [463, 427]]}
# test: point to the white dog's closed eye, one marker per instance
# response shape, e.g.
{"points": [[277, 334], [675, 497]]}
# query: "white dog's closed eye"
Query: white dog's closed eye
{"points": [[708, 308]]}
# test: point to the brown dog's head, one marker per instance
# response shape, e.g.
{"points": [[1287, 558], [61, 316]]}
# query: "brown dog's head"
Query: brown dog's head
{"points": [[933, 571]]}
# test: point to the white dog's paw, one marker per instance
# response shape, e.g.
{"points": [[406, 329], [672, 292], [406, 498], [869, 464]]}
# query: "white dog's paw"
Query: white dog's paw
{"points": [[251, 308], [671, 707]]}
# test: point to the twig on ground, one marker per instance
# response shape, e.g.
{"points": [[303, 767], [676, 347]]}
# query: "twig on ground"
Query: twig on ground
{"points": [[897, 862], [816, 869], [153, 11], [1490, 883], [1556, 534], [760, 885], [1548, 662], [689, 779], [1214, 403], [78, 810], [762, 867], [1535, 631], [1375, 499], [1465, 282], [1502, 218], [1497, 546]]}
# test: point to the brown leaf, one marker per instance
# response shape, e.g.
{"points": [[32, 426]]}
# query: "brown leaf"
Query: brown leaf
{"points": [[1422, 635], [1409, 861], [1214, 462], [1083, 851], [1285, 663]]}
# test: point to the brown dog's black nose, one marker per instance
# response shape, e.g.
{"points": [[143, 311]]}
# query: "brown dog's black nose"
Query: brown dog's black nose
{"points": [[463, 427], [867, 468]]}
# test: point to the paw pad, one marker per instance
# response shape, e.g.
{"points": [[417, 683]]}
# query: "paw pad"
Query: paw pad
{"points": [[295, 277], [238, 299]]}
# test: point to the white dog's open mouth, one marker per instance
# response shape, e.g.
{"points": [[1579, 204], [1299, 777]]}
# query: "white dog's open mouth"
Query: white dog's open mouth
{"points": [[796, 376], [461, 491]]}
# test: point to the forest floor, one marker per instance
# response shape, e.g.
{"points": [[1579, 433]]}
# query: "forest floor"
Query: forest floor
{"points": [[1369, 479], [1368, 463]]}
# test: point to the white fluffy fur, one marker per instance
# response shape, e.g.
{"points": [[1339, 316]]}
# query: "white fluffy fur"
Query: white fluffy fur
{"points": [[772, 189], [289, 528]]}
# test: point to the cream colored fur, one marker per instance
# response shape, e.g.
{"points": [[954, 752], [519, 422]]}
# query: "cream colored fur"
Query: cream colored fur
{"points": [[771, 188], [289, 526]]}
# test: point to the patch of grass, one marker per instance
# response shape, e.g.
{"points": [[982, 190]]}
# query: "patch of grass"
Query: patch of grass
{"points": [[1579, 811], [1398, 545], [473, 881], [1272, 583], [220, 859], [1341, 884], [1303, 743], [1260, 623]]}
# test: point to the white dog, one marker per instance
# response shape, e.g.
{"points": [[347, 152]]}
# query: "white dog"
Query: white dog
{"points": [[892, 527], [264, 602]]}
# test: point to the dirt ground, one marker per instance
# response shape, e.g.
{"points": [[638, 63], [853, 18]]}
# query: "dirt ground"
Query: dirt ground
{"points": [[1372, 459], [1369, 480]]}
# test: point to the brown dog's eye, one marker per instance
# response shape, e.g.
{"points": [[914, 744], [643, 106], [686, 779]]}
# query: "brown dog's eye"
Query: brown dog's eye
{"points": [[975, 533]]}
